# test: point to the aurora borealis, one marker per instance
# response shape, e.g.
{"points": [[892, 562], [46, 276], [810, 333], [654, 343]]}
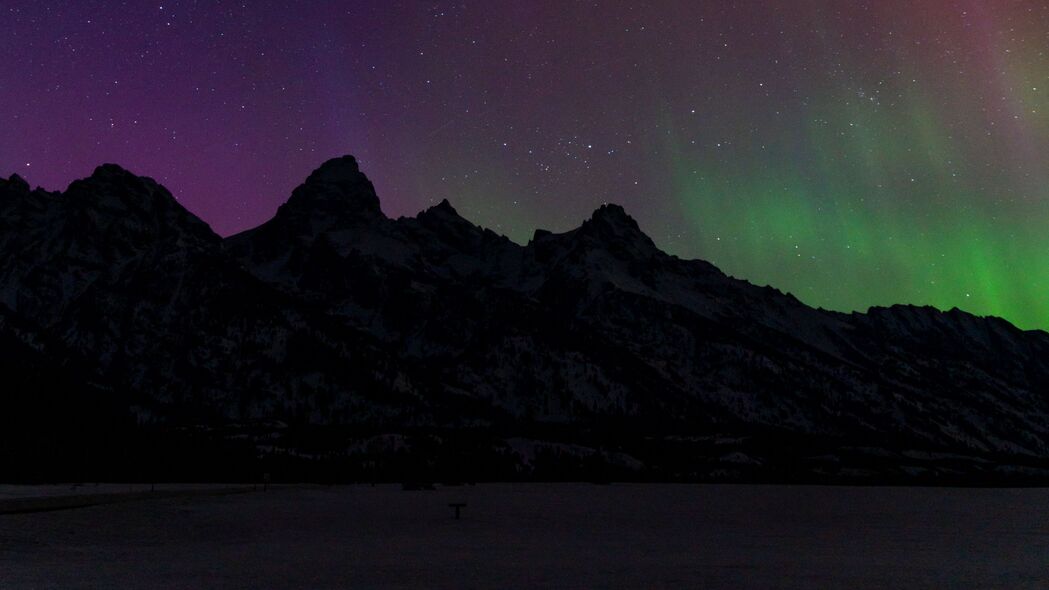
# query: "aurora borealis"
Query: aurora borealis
{"points": [[852, 153]]}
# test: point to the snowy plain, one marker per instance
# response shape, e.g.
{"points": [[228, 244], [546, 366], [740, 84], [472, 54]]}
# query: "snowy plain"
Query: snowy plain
{"points": [[541, 536]]}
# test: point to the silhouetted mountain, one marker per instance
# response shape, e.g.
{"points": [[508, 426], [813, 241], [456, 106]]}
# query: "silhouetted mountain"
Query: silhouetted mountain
{"points": [[334, 342]]}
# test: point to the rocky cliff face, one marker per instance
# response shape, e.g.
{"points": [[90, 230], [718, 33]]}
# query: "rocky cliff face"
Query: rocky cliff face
{"points": [[590, 349]]}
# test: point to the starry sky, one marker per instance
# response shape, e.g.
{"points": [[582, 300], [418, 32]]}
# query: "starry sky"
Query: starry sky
{"points": [[854, 153]]}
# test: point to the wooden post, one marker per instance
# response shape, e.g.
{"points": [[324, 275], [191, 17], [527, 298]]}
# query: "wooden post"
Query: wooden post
{"points": [[457, 506]]}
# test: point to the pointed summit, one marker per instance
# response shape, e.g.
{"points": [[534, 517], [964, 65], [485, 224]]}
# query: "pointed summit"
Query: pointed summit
{"points": [[337, 187], [610, 222], [447, 226], [105, 219], [614, 215], [339, 170], [110, 171], [112, 180], [444, 205], [442, 210], [15, 183], [610, 230]]}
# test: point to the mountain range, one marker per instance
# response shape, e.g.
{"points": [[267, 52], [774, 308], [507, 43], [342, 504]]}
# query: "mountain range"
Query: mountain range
{"points": [[334, 343]]}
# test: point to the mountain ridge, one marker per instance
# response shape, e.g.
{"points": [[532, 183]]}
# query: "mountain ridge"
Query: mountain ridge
{"points": [[332, 317], [444, 204]]}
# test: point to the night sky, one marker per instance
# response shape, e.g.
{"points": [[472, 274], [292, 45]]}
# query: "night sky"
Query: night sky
{"points": [[853, 153]]}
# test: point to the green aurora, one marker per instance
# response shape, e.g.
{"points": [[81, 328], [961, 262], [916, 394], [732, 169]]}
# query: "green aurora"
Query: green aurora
{"points": [[851, 152]]}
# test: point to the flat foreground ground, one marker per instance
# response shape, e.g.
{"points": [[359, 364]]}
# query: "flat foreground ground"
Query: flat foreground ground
{"points": [[540, 536]]}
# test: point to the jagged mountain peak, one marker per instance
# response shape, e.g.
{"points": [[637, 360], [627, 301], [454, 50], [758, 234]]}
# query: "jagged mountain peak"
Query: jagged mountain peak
{"points": [[613, 218], [110, 170], [445, 226], [336, 170], [926, 317], [612, 213], [112, 206], [111, 181], [444, 206], [443, 211], [610, 226], [337, 188], [15, 183], [917, 313]]}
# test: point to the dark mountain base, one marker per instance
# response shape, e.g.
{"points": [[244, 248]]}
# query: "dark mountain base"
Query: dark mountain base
{"points": [[339, 455]]}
